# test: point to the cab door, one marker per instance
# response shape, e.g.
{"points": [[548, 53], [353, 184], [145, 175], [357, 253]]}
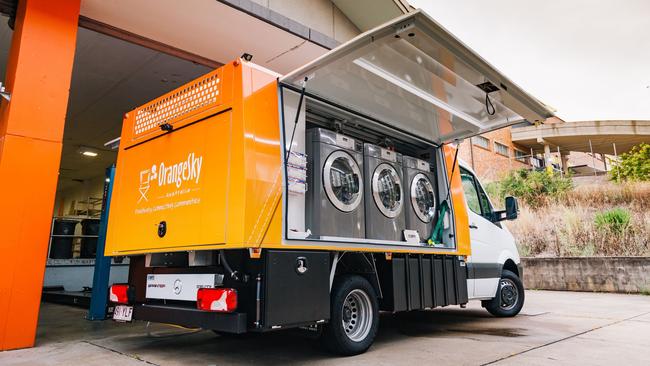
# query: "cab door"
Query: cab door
{"points": [[487, 239]]}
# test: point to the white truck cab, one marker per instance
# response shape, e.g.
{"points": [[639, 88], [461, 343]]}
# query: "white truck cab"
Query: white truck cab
{"points": [[494, 267]]}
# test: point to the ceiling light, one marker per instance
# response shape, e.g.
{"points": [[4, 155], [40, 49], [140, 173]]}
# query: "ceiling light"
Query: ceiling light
{"points": [[88, 151]]}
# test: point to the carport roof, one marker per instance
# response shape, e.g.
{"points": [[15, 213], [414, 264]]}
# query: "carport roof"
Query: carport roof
{"points": [[216, 30]]}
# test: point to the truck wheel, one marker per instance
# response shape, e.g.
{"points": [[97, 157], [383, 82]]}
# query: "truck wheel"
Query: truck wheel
{"points": [[509, 298], [354, 316]]}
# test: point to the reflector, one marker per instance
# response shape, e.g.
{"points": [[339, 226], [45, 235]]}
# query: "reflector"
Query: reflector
{"points": [[119, 294], [217, 299]]}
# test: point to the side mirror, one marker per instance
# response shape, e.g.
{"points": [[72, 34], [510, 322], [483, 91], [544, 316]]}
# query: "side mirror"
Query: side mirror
{"points": [[512, 208]]}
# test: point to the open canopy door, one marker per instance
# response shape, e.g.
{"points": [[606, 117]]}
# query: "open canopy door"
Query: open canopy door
{"points": [[414, 75]]}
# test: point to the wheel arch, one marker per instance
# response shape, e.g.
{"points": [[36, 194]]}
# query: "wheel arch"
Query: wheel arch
{"points": [[358, 263], [511, 266]]}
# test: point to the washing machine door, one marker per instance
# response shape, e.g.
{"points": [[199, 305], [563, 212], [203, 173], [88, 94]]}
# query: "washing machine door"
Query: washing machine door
{"points": [[423, 198], [342, 181], [387, 190]]}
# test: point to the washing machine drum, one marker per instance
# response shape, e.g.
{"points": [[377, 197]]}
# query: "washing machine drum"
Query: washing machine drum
{"points": [[423, 198], [342, 181], [387, 190]]}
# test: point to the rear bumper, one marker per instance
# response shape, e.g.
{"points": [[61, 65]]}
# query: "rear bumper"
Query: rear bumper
{"points": [[193, 318]]}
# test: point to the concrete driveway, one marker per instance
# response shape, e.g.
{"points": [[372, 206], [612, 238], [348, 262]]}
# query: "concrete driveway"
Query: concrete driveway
{"points": [[554, 328]]}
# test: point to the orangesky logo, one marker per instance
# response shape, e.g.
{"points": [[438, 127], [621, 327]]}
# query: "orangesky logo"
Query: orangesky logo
{"points": [[188, 170]]}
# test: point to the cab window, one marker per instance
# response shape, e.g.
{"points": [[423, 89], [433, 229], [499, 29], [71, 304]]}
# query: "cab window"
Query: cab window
{"points": [[471, 194], [477, 199]]}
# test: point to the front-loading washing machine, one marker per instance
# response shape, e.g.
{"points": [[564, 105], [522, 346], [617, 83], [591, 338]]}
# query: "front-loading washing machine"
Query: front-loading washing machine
{"points": [[334, 200], [384, 193], [420, 196]]}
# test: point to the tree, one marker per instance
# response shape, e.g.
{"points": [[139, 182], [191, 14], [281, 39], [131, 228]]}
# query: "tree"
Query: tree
{"points": [[633, 165]]}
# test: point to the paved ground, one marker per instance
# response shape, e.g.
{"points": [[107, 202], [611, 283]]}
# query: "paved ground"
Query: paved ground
{"points": [[560, 328]]}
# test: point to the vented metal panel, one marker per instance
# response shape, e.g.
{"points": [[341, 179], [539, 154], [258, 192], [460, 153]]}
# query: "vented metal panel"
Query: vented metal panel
{"points": [[172, 107]]}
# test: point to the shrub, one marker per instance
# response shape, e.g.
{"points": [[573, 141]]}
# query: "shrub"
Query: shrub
{"points": [[634, 165], [636, 195], [494, 191], [569, 226], [616, 220], [535, 188]]}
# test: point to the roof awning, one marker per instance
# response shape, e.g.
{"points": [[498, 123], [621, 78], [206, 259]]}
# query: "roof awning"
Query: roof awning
{"points": [[414, 75]]}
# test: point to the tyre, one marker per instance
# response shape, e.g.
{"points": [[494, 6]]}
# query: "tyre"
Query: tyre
{"points": [[354, 316], [509, 298]]}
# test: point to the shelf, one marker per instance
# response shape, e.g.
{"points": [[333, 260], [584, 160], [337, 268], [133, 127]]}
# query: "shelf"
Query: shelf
{"points": [[72, 262]]}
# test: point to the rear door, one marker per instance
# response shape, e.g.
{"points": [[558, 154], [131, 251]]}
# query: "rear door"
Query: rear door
{"points": [[172, 190], [415, 76]]}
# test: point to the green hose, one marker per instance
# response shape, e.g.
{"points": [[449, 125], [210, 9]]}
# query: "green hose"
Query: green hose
{"points": [[436, 234]]}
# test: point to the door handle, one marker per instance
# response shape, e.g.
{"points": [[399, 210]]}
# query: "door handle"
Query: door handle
{"points": [[473, 226]]}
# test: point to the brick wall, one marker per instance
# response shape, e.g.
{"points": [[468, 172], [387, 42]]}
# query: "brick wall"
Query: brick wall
{"points": [[489, 164]]}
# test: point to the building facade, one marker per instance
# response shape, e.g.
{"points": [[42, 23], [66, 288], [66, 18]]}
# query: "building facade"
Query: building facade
{"points": [[492, 155]]}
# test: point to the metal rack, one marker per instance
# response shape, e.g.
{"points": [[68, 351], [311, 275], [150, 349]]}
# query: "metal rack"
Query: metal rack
{"points": [[92, 209], [70, 261]]}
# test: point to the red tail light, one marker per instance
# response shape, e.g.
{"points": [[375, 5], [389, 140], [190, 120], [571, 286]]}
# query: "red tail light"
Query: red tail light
{"points": [[217, 299], [119, 294]]}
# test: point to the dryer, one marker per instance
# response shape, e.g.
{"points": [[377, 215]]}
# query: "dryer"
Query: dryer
{"points": [[334, 199], [384, 193], [420, 196]]}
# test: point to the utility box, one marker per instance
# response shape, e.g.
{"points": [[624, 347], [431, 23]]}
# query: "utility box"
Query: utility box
{"points": [[192, 173]]}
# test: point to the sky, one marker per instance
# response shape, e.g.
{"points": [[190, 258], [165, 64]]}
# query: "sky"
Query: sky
{"points": [[589, 60]]}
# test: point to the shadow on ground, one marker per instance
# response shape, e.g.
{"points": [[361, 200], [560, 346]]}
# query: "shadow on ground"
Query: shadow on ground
{"points": [[157, 343]]}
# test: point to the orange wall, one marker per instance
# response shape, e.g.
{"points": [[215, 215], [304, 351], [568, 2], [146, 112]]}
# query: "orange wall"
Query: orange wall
{"points": [[31, 131]]}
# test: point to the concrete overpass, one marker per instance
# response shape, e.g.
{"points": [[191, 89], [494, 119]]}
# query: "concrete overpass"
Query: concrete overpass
{"points": [[594, 137], [575, 136]]}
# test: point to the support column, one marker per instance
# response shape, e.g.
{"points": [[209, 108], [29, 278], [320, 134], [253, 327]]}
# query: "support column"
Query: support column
{"points": [[565, 163], [547, 158], [31, 131]]}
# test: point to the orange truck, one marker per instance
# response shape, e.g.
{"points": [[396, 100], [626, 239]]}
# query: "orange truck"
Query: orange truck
{"points": [[249, 201]]}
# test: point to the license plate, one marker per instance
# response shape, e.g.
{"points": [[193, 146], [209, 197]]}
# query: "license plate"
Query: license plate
{"points": [[123, 313]]}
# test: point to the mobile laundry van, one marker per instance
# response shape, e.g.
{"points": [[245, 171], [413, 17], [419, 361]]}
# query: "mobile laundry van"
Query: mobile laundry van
{"points": [[249, 201]]}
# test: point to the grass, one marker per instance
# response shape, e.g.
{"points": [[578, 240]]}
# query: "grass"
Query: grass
{"points": [[586, 221]]}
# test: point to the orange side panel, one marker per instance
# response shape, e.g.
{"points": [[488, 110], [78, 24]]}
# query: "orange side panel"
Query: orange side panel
{"points": [[273, 235], [38, 76], [458, 201], [264, 184], [180, 179]]}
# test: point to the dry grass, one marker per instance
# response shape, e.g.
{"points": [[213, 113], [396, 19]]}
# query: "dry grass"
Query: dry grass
{"points": [[565, 227]]}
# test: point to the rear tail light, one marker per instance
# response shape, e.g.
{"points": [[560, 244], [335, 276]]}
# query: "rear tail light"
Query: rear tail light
{"points": [[119, 294], [217, 299]]}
